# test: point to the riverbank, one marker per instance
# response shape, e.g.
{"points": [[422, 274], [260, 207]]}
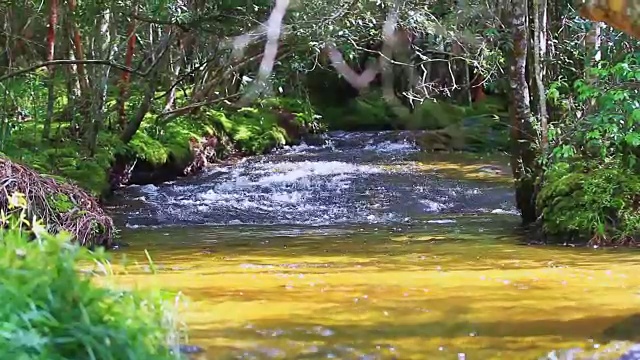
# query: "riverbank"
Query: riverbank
{"points": [[165, 150], [160, 152], [68, 184]]}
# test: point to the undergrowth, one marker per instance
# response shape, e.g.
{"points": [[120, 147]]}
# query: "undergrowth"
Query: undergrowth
{"points": [[592, 180], [597, 204], [51, 311]]}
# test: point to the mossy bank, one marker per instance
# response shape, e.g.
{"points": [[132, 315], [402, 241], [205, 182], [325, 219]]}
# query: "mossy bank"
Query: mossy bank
{"points": [[161, 150], [479, 127]]}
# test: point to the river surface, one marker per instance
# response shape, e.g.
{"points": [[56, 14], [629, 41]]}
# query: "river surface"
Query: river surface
{"points": [[363, 248]]}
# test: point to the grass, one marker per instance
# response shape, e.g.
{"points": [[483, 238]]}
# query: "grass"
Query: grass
{"points": [[52, 311]]}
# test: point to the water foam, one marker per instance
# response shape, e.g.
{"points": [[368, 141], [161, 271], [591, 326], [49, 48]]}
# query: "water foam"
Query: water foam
{"points": [[351, 178]]}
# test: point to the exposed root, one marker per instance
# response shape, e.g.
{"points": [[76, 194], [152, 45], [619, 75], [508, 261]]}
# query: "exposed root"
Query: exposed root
{"points": [[61, 206], [204, 151], [627, 241]]}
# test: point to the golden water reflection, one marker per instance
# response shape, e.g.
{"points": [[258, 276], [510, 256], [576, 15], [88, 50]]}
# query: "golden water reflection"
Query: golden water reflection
{"points": [[429, 292]]}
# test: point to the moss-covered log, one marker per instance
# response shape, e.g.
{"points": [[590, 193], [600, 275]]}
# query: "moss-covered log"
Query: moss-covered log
{"points": [[62, 206]]}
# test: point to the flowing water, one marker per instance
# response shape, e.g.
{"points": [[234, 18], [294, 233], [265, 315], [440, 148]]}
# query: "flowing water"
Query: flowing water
{"points": [[362, 248]]}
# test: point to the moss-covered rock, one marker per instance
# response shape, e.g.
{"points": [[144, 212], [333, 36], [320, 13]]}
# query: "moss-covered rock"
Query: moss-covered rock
{"points": [[448, 139], [189, 143], [590, 202], [435, 115], [366, 112], [161, 151]]}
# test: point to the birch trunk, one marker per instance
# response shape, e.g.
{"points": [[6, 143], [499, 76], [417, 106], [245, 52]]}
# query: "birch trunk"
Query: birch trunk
{"points": [[522, 154], [102, 47], [51, 44]]}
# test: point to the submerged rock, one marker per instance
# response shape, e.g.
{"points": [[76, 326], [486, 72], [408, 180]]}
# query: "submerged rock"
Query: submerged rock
{"points": [[190, 349], [617, 350]]}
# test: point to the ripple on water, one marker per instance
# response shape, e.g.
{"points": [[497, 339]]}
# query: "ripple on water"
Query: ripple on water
{"points": [[355, 178], [438, 291]]}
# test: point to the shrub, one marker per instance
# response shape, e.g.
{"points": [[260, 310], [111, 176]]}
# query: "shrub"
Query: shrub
{"points": [[52, 311], [599, 205], [592, 171]]}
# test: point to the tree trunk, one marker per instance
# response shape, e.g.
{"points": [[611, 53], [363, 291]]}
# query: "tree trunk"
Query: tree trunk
{"points": [[592, 43], [158, 57], [539, 50], [103, 42], [176, 65], [51, 43], [78, 49], [126, 76], [522, 131]]}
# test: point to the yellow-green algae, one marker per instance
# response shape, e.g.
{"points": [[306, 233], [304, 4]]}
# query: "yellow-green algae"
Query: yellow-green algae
{"points": [[430, 292]]}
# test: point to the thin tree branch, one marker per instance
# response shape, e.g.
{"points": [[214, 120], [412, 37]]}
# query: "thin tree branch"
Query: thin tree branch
{"points": [[87, 62], [72, 62], [170, 115]]}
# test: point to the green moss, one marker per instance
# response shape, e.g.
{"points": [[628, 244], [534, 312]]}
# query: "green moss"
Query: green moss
{"points": [[366, 112], [435, 115], [252, 130], [60, 203], [484, 124], [65, 160], [144, 146]]}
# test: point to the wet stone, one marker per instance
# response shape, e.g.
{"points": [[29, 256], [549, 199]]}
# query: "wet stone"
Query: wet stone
{"points": [[190, 349]]}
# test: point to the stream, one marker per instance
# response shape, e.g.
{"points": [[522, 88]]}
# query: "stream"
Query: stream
{"points": [[361, 247]]}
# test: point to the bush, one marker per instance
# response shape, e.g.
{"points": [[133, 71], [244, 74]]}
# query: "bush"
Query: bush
{"points": [[51, 311], [592, 177], [601, 206], [366, 112]]}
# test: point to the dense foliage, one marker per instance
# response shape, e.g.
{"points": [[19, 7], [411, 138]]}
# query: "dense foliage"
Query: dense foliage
{"points": [[592, 183], [52, 311]]}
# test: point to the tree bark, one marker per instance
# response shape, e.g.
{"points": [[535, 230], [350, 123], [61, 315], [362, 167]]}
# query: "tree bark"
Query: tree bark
{"points": [[539, 49], [160, 54], [51, 44], [126, 76], [102, 40], [522, 131], [78, 49]]}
